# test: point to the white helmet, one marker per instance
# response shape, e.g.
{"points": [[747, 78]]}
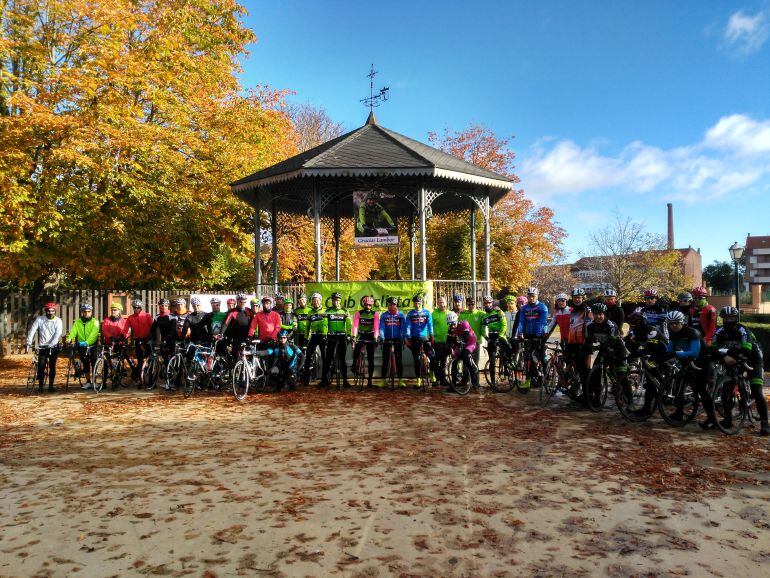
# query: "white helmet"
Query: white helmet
{"points": [[316, 294], [562, 297], [610, 293], [533, 291], [675, 317], [451, 318]]}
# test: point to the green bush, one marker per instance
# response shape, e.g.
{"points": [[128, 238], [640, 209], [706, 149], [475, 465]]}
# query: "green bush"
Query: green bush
{"points": [[762, 333], [761, 318]]}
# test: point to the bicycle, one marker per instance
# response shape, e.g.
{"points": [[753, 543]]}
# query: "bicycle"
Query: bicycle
{"points": [[75, 366], [32, 380], [528, 365], [423, 368], [677, 392], [505, 370], [732, 395], [250, 369], [197, 370], [643, 377], [601, 379], [154, 368], [361, 365], [176, 367], [559, 375], [391, 369]]}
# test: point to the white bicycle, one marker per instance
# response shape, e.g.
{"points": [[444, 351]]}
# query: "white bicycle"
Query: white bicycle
{"points": [[249, 372]]}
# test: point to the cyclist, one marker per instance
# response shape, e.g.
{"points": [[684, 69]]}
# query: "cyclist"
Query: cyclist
{"points": [[139, 324], [734, 342], [301, 313], [288, 318], [286, 360], [579, 318], [604, 333], [653, 311], [372, 216], [646, 339], [163, 329], [466, 338], [457, 304], [532, 323], [280, 301], [253, 305], [84, 335], [180, 316], [114, 327], [237, 325], [194, 325], [687, 346], [392, 335], [510, 315], [48, 329], [439, 318], [231, 303], [266, 324], [473, 316], [366, 326], [212, 323], [495, 329], [337, 336], [684, 304], [419, 337], [315, 335], [614, 310], [560, 319], [703, 316]]}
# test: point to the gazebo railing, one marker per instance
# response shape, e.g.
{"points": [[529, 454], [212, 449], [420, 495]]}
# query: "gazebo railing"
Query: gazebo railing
{"points": [[445, 287]]}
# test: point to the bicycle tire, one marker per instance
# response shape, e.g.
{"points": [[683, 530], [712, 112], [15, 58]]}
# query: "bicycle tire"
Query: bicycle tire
{"points": [[118, 373], [630, 402], [173, 372], [673, 389], [596, 402], [32, 376], [221, 373], [192, 378], [550, 382], [150, 373], [240, 380], [362, 367], [70, 372], [101, 373], [505, 380], [461, 383], [736, 397]]}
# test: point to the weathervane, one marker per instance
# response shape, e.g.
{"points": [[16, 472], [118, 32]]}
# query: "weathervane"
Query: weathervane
{"points": [[375, 99]]}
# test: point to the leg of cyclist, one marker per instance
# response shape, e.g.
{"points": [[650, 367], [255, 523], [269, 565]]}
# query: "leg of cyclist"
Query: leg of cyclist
{"points": [[473, 368], [328, 359], [53, 355], [342, 349], [42, 359], [699, 378], [370, 360], [415, 346], [756, 384], [492, 342], [398, 349], [386, 346], [432, 361], [357, 351]]}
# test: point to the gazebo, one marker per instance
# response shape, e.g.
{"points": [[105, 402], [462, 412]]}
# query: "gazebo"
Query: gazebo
{"points": [[319, 183]]}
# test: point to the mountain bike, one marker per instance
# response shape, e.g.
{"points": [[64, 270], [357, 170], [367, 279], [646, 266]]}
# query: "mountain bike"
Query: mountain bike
{"points": [[677, 398]]}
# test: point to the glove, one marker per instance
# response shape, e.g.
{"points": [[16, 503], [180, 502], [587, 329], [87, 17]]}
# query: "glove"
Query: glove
{"points": [[409, 343], [82, 343], [729, 360]]}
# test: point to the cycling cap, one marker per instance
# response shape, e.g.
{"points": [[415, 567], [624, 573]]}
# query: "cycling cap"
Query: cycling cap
{"points": [[610, 293], [367, 299], [240, 297], [451, 318], [700, 292], [521, 300], [533, 291], [117, 306], [651, 293], [488, 299], [86, 307], [195, 301], [137, 303], [598, 308], [164, 302], [318, 295], [578, 292], [562, 297], [283, 333], [685, 296], [417, 298], [336, 295], [457, 298], [635, 318], [392, 301], [728, 311], [215, 300], [675, 317], [266, 299], [49, 305]]}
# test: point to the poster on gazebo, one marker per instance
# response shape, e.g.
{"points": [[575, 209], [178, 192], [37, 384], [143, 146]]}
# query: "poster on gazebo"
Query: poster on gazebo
{"points": [[375, 221]]}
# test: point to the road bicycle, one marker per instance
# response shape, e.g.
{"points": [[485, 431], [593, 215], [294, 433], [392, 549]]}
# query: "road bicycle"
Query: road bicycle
{"points": [[111, 366], [503, 366], [249, 371], [75, 370], [32, 381], [460, 373], [197, 369], [391, 367], [731, 393], [643, 382], [176, 368], [527, 364], [677, 398], [602, 379], [560, 376], [154, 368], [423, 369], [361, 365]]}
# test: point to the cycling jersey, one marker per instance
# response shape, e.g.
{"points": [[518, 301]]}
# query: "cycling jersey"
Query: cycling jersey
{"points": [[616, 315], [48, 331], [179, 319], [195, 323], [601, 333], [213, 324], [737, 339], [704, 319], [466, 334], [579, 318], [687, 344], [392, 325], [419, 324], [237, 324], [474, 321], [561, 317], [338, 321], [494, 322], [113, 329], [317, 322], [655, 315], [366, 323], [265, 326], [165, 326], [440, 328], [302, 314], [87, 331], [139, 324], [533, 319]]}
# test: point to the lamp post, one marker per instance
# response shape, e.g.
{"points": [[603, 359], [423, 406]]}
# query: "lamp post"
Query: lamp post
{"points": [[736, 252]]}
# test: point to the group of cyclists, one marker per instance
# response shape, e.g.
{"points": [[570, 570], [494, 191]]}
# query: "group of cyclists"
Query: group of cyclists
{"points": [[293, 339]]}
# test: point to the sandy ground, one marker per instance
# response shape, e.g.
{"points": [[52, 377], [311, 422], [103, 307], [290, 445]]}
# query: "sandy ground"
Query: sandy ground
{"points": [[375, 484]]}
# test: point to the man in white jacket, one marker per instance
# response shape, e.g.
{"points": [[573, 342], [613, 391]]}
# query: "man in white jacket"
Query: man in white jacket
{"points": [[48, 329]]}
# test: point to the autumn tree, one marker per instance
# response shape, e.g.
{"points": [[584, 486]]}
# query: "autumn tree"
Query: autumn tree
{"points": [[313, 125], [552, 280], [523, 236], [122, 122], [632, 259]]}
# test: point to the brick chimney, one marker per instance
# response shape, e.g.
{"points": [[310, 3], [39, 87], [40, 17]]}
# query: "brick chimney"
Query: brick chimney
{"points": [[670, 226]]}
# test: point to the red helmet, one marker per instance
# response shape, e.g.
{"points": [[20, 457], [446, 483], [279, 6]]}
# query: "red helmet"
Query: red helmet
{"points": [[231, 301], [700, 292], [521, 301], [651, 293], [50, 305]]}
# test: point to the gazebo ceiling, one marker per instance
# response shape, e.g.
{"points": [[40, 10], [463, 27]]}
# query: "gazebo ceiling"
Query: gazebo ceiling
{"points": [[370, 157]]}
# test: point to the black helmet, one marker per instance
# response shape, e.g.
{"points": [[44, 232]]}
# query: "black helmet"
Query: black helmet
{"points": [[728, 311], [392, 301], [598, 308], [336, 295]]}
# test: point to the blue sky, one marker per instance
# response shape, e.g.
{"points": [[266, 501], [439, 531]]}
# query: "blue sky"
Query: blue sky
{"points": [[622, 104]]}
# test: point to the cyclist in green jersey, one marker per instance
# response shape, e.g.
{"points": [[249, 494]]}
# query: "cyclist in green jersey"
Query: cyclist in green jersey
{"points": [[495, 328], [365, 329], [288, 318], [213, 324], [302, 311], [315, 334], [440, 335], [338, 332]]}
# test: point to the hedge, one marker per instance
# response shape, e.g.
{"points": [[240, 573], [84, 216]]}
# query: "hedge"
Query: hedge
{"points": [[762, 333]]}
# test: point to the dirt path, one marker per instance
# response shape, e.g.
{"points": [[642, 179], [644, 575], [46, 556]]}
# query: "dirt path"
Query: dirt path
{"points": [[372, 484]]}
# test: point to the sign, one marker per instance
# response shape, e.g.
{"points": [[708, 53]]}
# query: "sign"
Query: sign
{"points": [[375, 225], [353, 291]]}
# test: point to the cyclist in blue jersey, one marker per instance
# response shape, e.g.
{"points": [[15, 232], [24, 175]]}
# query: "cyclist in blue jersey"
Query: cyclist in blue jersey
{"points": [[419, 337], [533, 321], [392, 335]]}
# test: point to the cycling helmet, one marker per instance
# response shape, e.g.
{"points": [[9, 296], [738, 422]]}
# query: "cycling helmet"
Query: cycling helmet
{"points": [[215, 301], [521, 301], [367, 299], [728, 311], [685, 296], [164, 302], [137, 303], [392, 301], [240, 297], [610, 293], [674, 317], [181, 302], [509, 297], [114, 305], [336, 295], [254, 300], [650, 293], [598, 308], [417, 298], [457, 298], [451, 318], [635, 318], [49, 305], [266, 299], [195, 301], [231, 301], [700, 292], [86, 307], [283, 333], [487, 299], [302, 296], [318, 295], [533, 291], [578, 292], [288, 301], [279, 295], [562, 297]]}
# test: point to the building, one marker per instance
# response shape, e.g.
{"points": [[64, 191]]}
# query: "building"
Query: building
{"points": [[757, 274]]}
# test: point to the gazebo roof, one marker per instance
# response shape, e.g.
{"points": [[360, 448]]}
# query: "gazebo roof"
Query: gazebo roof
{"points": [[373, 151]]}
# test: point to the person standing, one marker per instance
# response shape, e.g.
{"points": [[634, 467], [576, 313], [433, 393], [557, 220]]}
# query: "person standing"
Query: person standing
{"points": [[114, 327], [315, 335], [392, 335], [532, 325], [703, 316], [237, 324], [139, 324], [495, 328], [337, 335], [474, 318], [84, 335], [48, 330], [266, 324], [510, 316], [419, 337], [440, 335], [614, 310], [302, 313], [366, 327]]}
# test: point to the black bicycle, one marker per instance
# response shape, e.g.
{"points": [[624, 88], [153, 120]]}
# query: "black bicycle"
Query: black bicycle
{"points": [[732, 396]]}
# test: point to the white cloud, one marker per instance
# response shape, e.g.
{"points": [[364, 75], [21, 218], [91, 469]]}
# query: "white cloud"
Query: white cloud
{"points": [[746, 33], [731, 157]]}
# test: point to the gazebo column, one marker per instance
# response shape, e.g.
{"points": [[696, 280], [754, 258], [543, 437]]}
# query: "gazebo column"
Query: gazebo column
{"points": [[274, 231], [257, 251], [473, 249], [336, 240], [423, 242], [317, 219], [411, 246], [487, 244]]}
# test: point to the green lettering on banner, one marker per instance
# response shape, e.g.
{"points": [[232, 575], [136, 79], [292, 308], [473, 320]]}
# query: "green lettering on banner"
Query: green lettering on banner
{"points": [[353, 291]]}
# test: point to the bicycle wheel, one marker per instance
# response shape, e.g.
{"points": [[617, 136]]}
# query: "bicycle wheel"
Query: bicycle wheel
{"points": [[193, 377], [598, 385], [101, 374], [151, 372], [550, 382], [630, 396], [424, 371], [70, 372], [732, 403], [677, 401], [221, 373], [505, 379], [174, 372], [32, 376], [118, 374], [241, 380], [461, 379]]}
